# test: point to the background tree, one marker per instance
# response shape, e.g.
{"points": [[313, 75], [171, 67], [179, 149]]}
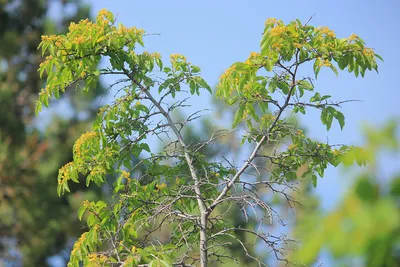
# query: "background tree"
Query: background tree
{"points": [[179, 189], [364, 229], [34, 222]]}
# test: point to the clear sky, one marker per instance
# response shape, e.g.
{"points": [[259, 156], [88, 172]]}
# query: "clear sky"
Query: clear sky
{"points": [[215, 33]]}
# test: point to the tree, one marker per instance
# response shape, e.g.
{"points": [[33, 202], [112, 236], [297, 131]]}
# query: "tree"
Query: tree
{"points": [[34, 222], [180, 189]]}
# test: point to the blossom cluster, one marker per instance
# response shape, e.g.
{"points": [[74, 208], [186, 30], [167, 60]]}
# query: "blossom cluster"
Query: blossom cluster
{"points": [[64, 172], [82, 140]]}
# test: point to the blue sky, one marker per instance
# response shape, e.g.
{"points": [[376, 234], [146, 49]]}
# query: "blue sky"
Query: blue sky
{"points": [[214, 34]]}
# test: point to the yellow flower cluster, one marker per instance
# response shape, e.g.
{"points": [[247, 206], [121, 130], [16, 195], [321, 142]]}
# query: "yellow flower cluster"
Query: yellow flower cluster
{"points": [[267, 118], [325, 63], [253, 55], [161, 186], [86, 28], [126, 174], [45, 91], [278, 30], [292, 146], [97, 170], [84, 25], [327, 31], [104, 16], [369, 52], [329, 45], [104, 13], [84, 137], [64, 172], [277, 46], [297, 45], [97, 259], [228, 72], [58, 44], [50, 38], [86, 204], [122, 30], [247, 87], [271, 21], [72, 26], [136, 31], [176, 57], [78, 243], [78, 39], [156, 55], [352, 37]]}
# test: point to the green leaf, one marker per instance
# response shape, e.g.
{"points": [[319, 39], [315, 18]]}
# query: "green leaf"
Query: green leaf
{"points": [[266, 41], [379, 57], [263, 106], [117, 208], [145, 147], [204, 84], [316, 97], [238, 116], [251, 110], [159, 63], [195, 69], [317, 71], [305, 85], [316, 66], [325, 97], [66, 187], [59, 190], [192, 86], [81, 210], [342, 62], [328, 121], [283, 86], [326, 118], [100, 205], [272, 86], [314, 180], [269, 64], [333, 68], [340, 118], [303, 55], [356, 69], [38, 107]]}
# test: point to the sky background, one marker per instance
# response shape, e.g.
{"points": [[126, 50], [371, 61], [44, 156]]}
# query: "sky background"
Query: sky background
{"points": [[214, 34]]}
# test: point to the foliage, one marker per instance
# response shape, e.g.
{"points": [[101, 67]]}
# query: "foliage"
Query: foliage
{"points": [[365, 225], [180, 189], [34, 222]]}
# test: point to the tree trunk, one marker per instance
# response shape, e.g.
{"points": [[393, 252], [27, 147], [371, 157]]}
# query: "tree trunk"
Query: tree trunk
{"points": [[203, 240]]}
